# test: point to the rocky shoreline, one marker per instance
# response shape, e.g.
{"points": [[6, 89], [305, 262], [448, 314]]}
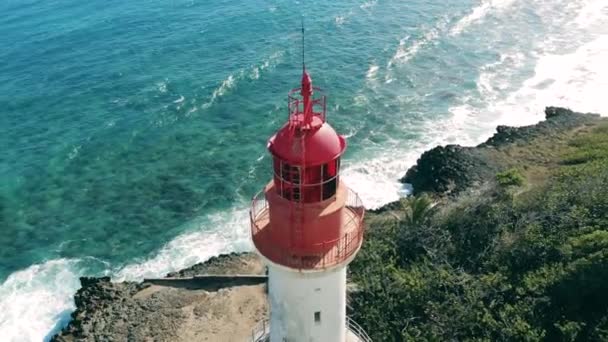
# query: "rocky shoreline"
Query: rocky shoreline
{"points": [[129, 311], [453, 168]]}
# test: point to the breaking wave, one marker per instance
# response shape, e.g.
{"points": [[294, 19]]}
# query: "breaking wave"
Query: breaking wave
{"points": [[252, 73], [479, 13]]}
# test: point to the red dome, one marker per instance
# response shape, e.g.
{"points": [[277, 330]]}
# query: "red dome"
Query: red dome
{"points": [[321, 143]]}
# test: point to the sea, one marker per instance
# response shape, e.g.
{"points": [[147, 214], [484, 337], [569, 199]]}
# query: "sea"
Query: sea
{"points": [[133, 133]]}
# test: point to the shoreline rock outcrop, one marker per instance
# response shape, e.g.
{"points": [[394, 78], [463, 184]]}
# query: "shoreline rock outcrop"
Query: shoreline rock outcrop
{"points": [[133, 311], [451, 169]]}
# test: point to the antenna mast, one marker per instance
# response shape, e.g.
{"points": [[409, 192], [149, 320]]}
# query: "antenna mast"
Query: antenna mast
{"points": [[303, 61]]}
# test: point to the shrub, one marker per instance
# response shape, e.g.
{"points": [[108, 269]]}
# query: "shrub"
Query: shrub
{"points": [[511, 177], [486, 267]]}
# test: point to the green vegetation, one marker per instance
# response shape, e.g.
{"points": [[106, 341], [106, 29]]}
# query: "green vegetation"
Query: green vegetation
{"points": [[511, 177], [494, 264]]}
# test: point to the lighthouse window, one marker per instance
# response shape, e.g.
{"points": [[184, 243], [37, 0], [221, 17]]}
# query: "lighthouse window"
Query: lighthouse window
{"points": [[318, 317], [329, 189], [290, 173], [308, 185], [330, 178], [295, 194]]}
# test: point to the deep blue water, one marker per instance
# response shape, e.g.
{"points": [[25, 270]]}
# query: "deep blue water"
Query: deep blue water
{"points": [[133, 133]]}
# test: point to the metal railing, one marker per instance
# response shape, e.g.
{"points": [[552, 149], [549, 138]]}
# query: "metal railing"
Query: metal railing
{"points": [[356, 329], [261, 332], [304, 187], [259, 205], [295, 103], [331, 252]]}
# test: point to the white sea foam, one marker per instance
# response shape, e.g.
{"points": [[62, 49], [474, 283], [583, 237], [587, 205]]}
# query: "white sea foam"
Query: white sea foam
{"points": [[494, 80], [592, 12], [253, 73], [376, 180], [577, 80], [217, 233], [368, 4], [162, 86], [371, 76], [191, 111], [570, 70], [372, 71], [226, 85], [406, 50], [480, 12], [494, 77], [37, 300], [268, 64], [74, 153]]}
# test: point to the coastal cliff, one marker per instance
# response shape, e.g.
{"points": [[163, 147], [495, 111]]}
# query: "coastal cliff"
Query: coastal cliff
{"points": [[475, 254], [453, 168]]}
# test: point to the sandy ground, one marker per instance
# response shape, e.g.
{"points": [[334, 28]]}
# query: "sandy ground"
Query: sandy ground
{"points": [[223, 315], [192, 311]]}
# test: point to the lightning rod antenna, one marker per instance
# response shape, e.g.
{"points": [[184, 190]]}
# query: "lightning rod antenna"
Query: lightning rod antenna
{"points": [[303, 60]]}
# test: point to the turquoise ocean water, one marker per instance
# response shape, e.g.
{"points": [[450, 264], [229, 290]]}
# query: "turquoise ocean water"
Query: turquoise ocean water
{"points": [[133, 133]]}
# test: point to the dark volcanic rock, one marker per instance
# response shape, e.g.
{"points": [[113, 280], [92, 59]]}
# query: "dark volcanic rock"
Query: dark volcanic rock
{"points": [[557, 120], [448, 169], [452, 169], [98, 302], [233, 263], [130, 311]]}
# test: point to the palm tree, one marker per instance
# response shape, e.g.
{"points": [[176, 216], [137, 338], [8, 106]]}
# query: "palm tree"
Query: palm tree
{"points": [[417, 210]]}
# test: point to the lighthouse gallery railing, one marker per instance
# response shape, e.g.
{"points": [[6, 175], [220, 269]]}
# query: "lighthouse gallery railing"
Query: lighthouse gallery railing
{"points": [[261, 332], [334, 251]]}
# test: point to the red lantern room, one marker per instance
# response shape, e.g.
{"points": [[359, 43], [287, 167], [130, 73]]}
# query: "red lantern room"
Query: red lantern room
{"points": [[306, 150], [306, 218]]}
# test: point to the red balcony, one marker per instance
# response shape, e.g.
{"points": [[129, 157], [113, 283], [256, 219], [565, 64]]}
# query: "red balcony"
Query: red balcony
{"points": [[317, 256]]}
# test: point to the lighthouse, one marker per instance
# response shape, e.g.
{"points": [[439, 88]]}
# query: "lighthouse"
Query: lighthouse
{"points": [[307, 226]]}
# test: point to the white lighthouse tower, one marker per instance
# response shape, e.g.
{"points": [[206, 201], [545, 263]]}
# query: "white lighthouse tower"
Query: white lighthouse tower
{"points": [[308, 226]]}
